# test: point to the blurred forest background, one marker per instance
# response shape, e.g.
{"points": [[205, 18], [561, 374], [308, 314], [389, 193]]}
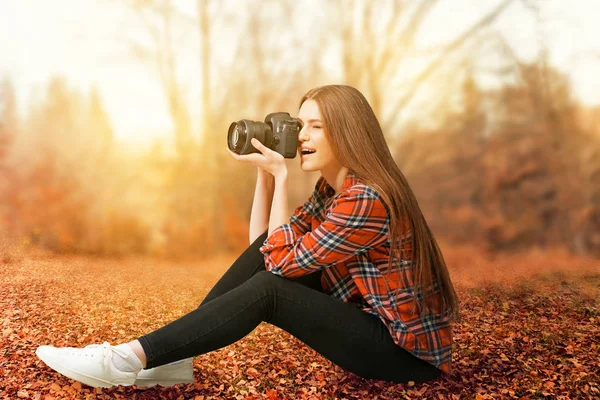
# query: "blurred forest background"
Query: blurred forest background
{"points": [[499, 151]]}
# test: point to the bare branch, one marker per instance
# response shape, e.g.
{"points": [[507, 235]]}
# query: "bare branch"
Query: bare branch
{"points": [[394, 54], [407, 36], [452, 47]]}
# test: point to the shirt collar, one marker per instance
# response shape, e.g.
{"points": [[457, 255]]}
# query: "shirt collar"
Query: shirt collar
{"points": [[349, 180]]}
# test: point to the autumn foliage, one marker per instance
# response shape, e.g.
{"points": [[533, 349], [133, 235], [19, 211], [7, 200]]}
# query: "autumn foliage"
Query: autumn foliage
{"points": [[523, 176], [529, 330], [506, 169]]}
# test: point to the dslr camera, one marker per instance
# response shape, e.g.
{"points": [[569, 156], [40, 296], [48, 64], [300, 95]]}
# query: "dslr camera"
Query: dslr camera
{"points": [[279, 132]]}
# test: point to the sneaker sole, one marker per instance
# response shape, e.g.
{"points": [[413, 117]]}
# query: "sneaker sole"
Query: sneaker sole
{"points": [[69, 373], [162, 382]]}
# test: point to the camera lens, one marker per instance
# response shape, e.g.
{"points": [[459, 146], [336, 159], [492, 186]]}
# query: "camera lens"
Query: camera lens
{"points": [[241, 132], [236, 136]]}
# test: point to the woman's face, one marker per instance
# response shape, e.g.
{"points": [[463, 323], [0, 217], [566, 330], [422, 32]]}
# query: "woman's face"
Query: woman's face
{"points": [[312, 137]]}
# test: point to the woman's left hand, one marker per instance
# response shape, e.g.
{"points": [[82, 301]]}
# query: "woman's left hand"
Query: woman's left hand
{"points": [[267, 160]]}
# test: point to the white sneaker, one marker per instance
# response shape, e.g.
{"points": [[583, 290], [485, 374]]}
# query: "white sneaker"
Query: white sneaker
{"points": [[91, 365], [181, 371]]}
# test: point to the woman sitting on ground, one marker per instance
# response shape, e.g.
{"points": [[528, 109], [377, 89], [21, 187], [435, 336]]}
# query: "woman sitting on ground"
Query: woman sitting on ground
{"points": [[355, 273]]}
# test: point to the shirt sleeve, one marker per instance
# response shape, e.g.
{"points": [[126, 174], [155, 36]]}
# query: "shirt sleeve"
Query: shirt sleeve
{"points": [[356, 222], [301, 219]]}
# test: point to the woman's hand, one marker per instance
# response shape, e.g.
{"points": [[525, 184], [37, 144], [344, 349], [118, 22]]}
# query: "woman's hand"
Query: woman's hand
{"points": [[267, 160]]}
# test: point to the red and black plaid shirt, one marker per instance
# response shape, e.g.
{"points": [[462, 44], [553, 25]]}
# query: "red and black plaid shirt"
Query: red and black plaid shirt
{"points": [[347, 235]]}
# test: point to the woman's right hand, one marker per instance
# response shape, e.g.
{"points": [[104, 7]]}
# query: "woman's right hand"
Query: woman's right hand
{"points": [[267, 160]]}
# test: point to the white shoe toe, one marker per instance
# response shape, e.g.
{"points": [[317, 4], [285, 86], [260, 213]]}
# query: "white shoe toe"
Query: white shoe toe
{"points": [[91, 365]]}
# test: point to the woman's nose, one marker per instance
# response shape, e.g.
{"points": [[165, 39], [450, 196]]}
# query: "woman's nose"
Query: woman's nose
{"points": [[302, 136]]}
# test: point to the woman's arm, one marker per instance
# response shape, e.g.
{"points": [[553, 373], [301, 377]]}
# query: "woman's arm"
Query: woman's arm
{"points": [[261, 205], [356, 222], [272, 163], [279, 213]]}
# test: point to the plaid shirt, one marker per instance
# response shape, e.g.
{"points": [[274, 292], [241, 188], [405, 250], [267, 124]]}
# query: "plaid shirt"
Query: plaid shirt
{"points": [[346, 236]]}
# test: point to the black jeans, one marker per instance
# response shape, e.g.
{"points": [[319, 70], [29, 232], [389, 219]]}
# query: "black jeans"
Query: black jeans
{"points": [[247, 294]]}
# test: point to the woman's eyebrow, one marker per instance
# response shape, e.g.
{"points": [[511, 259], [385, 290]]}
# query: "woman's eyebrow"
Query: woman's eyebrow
{"points": [[310, 120]]}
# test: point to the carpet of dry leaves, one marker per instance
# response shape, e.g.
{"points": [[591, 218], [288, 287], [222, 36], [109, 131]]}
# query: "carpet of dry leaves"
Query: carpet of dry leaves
{"points": [[529, 330]]}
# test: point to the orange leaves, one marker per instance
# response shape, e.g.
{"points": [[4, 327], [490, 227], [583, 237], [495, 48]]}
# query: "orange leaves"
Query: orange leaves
{"points": [[510, 343], [55, 387], [272, 395]]}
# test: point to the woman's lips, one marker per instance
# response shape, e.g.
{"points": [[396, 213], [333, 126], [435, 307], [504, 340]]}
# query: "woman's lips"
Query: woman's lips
{"points": [[303, 154]]}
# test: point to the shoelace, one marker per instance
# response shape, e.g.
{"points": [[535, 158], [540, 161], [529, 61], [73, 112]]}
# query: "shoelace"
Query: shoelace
{"points": [[106, 349]]}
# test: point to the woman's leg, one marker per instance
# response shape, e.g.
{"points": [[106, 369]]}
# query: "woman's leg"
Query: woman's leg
{"points": [[249, 263], [105, 365], [351, 338]]}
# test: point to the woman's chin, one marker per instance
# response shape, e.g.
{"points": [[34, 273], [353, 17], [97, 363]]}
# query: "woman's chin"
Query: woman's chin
{"points": [[307, 167]]}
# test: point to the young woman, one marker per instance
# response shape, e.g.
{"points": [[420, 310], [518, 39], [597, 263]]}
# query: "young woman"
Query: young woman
{"points": [[355, 273]]}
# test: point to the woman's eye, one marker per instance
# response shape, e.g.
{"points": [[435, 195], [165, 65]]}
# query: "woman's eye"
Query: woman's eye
{"points": [[317, 126]]}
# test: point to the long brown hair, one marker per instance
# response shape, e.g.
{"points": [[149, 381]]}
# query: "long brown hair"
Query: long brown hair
{"points": [[357, 140]]}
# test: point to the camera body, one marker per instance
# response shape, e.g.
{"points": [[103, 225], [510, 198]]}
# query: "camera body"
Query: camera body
{"points": [[279, 132]]}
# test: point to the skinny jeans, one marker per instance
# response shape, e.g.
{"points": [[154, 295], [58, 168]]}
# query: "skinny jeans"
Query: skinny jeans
{"points": [[247, 294]]}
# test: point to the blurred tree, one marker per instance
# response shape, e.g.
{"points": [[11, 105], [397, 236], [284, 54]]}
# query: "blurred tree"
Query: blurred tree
{"points": [[53, 212], [525, 182], [445, 166], [537, 186], [159, 18], [182, 180], [120, 205], [8, 128], [200, 176], [100, 127], [518, 183], [8, 105], [587, 235], [51, 206], [67, 177], [384, 33]]}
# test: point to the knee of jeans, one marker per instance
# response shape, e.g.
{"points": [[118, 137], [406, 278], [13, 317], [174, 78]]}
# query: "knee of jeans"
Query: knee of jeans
{"points": [[266, 280], [265, 276]]}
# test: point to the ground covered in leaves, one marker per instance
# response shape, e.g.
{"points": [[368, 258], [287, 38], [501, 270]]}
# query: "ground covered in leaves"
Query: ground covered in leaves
{"points": [[529, 330]]}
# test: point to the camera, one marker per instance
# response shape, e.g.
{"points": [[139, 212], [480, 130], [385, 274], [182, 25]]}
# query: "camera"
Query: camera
{"points": [[279, 132]]}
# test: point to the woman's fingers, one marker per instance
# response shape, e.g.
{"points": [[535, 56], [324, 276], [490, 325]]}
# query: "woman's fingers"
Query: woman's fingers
{"points": [[253, 158], [234, 154], [259, 146], [267, 159]]}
